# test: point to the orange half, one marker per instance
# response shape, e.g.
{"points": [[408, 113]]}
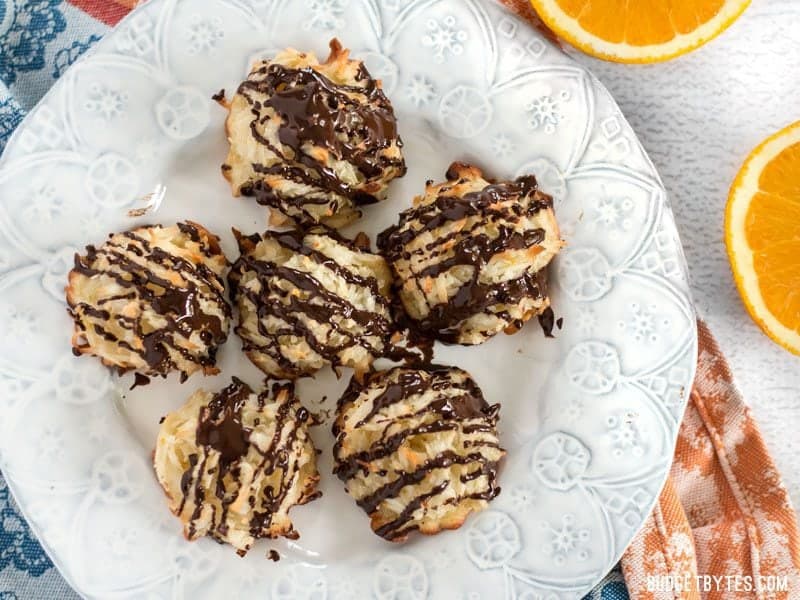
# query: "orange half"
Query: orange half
{"points": [[762, 233], [638, 31]]}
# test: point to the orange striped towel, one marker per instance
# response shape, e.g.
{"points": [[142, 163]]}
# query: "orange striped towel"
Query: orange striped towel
{"points": [[724, 522], [109, 12]]}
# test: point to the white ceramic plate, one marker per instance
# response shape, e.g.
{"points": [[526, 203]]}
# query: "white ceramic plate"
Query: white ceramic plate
{"points": [[589, 418]]}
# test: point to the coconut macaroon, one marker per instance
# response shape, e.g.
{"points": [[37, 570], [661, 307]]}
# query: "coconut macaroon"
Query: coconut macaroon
{"points": [[417, 449], [312, 140], [151, 300], [310, 299], [235, 462], [469, 257]]}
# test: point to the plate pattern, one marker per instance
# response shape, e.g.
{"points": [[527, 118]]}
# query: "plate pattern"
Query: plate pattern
{"points": [[580, 483]]}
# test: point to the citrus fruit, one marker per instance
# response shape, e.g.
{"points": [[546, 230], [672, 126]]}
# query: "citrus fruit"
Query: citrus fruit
{"points": [[638, 31], [762, 233]]}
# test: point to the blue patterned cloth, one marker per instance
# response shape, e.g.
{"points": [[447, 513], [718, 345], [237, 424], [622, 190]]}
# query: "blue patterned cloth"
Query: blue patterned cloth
{"points": [[39, 39], [611, 588], [37, 44]]}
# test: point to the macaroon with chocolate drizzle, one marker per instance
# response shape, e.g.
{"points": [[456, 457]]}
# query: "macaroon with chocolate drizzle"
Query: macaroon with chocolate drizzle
{"points": [[312, 140], [417, 448], [151, 300], [310, 299], [469, 257], [233, 463]]}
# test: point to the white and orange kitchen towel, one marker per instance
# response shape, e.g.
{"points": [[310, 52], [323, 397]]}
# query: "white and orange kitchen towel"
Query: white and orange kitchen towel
{"points": [[723, 525]]}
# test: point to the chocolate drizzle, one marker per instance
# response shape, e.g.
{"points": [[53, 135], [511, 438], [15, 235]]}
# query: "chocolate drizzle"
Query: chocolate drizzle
{"points": [[290, 303], [175, 300], [224, 438], [221, 427], [321, 119], [139, 380], [455, 410], [491, 217]]}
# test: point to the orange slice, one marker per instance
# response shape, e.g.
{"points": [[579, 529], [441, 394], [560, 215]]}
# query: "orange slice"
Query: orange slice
{"points": [[762, 232], [638, 31]]}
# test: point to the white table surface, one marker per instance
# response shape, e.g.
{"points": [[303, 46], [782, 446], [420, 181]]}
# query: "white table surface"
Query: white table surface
{"points": [[699, 116]]}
